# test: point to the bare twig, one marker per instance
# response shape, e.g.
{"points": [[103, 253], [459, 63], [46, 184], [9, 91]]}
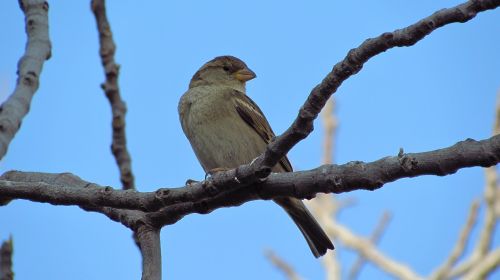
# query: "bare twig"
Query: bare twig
{"points": [[38, 48], [330, 125], [459, 248], [366, 249], [282, 265], [487, 265], [350, 65], [375, 237], [326, 207], [6, 250], [112, 91], [491, 196]]}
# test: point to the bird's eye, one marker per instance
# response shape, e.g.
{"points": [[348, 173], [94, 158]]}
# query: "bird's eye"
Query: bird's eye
{"points": [[226, 68]]}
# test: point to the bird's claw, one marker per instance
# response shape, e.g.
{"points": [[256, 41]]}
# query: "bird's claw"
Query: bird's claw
{"points": [[190, 182]]}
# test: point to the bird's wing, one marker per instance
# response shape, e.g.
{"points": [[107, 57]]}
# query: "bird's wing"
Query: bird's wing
{"points": [[253, 116]]}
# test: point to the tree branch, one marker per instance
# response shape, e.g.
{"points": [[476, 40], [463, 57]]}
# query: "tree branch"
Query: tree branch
{"points": [[282, 265], [148, 239], [29, 68], [326, 207], [374, 238], [487, 265], [350, 65], [459, 248], [6, 251], [491, 195], [366, 249], [112, 91], [206, 196]]}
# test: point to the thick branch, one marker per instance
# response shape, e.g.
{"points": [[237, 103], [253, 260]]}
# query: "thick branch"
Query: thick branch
{"points": [[112, 91], [148, 239], [16, 107], [208, 195], [350, 65], [345, 178], [335, 178], [6, 251]]}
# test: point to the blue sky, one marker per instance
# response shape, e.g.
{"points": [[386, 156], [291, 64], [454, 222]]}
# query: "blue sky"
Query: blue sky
{"points": [[428, 96]]}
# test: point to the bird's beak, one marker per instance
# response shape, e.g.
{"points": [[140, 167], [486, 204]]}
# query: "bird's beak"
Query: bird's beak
{"points": [[244, 75]]}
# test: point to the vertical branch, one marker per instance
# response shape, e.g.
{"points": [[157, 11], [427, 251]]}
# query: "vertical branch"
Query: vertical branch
{"points": [[148, 239], [112, 91], [325, 206], [6, 251], [283, 266], [29, 67], [330, 124], [491, 197]]}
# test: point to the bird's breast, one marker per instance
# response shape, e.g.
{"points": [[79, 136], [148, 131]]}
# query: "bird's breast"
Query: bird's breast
{"points": [[218, 135]]}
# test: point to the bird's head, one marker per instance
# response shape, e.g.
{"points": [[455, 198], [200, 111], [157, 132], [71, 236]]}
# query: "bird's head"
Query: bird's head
{"points": [[223, 71]]}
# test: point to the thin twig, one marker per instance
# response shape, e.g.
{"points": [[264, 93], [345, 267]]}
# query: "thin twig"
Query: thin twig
{"points": [[38, 49], [112, 91], [326, 207], [486, 266], [282, 265], [375, 237], [366, 249], [491, 196], [459, 248], [330, 125], [6, 250]]}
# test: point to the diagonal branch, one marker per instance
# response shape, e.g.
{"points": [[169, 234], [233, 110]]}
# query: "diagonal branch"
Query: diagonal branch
{"points": [[374, 238], [491, 196], [112, 91], [29, 68], [487, 265], [367, 250], [350, 65], [459, 248], [283, 266]]}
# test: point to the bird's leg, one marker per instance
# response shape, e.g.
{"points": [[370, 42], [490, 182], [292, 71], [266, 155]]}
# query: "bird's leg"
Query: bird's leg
{"points": [[190, 182], [253, 160]]}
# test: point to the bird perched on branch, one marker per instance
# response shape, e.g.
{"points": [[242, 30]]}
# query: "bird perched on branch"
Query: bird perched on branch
{"points": [[227, 129]]}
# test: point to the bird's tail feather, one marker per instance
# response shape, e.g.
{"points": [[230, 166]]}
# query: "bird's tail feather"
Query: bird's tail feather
{"points": [[316, 238]]}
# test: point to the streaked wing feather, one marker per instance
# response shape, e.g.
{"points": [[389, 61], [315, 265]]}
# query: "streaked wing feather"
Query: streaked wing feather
{"points": [[253, 116]]}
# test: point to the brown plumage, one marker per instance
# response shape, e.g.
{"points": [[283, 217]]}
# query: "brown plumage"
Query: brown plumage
{"points": [[227, 129]]}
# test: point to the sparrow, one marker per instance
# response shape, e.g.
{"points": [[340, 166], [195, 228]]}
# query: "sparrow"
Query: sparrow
{"points": [[227, 129]]}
